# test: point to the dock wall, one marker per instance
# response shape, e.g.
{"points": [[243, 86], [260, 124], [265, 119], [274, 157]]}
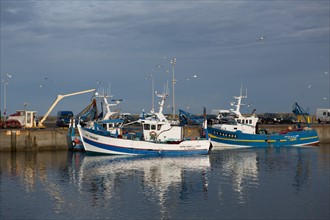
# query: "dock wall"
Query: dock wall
{"points": [[33, 139], [55, 138]]}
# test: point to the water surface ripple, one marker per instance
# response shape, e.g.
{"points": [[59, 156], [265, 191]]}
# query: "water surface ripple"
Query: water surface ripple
{"points": [[268, 183]]}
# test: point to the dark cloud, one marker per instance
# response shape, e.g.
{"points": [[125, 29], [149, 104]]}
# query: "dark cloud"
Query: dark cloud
{"points": [[82, 42]]}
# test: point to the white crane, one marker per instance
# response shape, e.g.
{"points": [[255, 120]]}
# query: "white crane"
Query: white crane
{"points": [[59, 98]]}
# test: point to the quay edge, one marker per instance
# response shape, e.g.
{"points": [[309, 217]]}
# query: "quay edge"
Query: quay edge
{"points": [[55, 138], [33, 139]]}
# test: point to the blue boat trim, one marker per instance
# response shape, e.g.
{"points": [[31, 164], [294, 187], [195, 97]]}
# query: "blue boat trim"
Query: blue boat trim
{"points": [[142, 151]]}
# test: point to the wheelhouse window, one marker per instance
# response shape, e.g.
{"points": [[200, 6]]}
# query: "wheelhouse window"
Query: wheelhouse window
{"points": [[146, 126], [153, 127], [159, 127]]}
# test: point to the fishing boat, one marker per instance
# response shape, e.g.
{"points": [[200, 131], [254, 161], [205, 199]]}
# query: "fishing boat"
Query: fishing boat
{"points": [[157, 136], [109, 119], [236, 130]]}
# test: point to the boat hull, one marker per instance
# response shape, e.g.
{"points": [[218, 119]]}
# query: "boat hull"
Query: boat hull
{"points": [[74, 141], [109, 145], [223, 138]]}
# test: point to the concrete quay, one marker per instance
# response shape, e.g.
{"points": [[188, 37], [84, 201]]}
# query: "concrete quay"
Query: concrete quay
{"points": [[33, 139], [55, 138]]}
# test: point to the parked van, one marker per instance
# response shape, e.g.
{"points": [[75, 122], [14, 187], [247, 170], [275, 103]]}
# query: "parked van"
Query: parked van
{"points": [[323, 115], [63, 118]]}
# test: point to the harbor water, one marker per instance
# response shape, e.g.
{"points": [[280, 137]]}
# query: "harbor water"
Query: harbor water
{"points": [[267, 183]]}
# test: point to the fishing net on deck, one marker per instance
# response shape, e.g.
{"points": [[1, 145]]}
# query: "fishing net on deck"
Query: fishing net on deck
{"points": [[89, 113], [187, 118]]}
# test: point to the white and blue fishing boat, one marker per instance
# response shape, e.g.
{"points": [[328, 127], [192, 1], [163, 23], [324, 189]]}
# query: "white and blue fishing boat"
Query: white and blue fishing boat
{"points": [[157, 137], [236, 130], [109, 119]]}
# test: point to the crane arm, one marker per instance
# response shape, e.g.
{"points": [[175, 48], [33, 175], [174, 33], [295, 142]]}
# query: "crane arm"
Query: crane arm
{"points": [[59, 98], [78, 93], [298, 111]]}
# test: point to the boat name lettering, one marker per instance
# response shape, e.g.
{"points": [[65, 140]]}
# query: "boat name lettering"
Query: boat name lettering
{"points": [[92, 137], [197, 146], [292, 137], [225, 134]]}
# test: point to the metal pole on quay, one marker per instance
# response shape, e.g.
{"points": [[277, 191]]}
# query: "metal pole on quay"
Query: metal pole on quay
{"points": [[4, 83]]}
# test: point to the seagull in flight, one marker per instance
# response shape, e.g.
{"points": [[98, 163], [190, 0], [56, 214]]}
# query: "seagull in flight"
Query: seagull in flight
{"points": [[309, 86], [261, 38]]}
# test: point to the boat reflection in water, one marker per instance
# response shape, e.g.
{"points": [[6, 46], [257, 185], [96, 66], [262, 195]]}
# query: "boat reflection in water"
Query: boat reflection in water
{"points": [[238, 173], [107, 176]]}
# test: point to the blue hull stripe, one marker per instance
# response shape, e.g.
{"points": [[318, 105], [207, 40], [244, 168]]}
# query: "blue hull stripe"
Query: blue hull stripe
{"points": [[126, 150]]}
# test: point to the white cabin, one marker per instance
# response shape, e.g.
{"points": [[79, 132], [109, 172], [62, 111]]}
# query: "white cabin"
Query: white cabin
{"points": [[27, 119], [157, 128], [235, 121]]}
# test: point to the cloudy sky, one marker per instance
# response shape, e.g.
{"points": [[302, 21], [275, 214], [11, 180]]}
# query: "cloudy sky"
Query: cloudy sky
{"points": [[277, 50]]}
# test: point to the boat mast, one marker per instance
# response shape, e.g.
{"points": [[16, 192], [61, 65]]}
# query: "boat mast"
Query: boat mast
{"points": [[173, 62], [105, 94], [160, 114], [239, 102]]}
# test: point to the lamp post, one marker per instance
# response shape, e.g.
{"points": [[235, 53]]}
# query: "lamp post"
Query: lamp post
{"points": [[5, 83], [5, 100], [173, 62]]}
